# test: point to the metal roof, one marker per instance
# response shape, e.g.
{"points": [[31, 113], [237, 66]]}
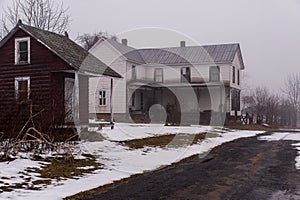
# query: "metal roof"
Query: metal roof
{"points": [[220, 53], [129, 52]]}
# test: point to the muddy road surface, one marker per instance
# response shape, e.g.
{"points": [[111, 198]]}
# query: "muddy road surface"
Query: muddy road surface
{"points": [[243, 169]]}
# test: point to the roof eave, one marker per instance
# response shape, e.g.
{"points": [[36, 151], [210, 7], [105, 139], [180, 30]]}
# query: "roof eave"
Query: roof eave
{"points": [[9, 35], [56, 53]]}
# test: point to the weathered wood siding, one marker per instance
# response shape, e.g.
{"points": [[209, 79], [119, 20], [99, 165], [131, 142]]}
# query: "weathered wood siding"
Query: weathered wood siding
{"points": [[45, 90]]}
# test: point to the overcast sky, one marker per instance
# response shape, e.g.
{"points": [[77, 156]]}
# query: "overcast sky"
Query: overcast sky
{"points": [[267, 30]]}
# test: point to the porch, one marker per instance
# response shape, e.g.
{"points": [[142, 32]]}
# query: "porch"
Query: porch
{"points": [[179, 103]]}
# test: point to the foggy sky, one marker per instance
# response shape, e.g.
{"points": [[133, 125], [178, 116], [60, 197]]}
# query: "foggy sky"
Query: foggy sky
{"points": [[267, 30]]}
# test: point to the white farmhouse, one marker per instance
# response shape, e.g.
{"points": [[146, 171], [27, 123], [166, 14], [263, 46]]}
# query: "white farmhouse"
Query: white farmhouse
{"points": [[185, 84]]}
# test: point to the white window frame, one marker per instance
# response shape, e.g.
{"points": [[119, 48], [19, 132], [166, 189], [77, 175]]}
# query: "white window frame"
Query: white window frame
{"points": [[133, 72], [159, 75], [101, 97], [17, 55], [17, 79], [185, 76], [213, 74]]}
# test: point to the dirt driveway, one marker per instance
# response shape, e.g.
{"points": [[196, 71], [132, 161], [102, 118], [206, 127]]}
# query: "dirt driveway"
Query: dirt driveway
{"points": [[244, 169]]}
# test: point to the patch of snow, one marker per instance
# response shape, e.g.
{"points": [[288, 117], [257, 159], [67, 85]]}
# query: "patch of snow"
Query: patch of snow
{"points": [[86, 167], [120, 161]]}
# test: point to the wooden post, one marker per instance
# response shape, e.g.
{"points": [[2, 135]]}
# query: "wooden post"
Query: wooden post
{"points": [[76, 99], [111, 102]]}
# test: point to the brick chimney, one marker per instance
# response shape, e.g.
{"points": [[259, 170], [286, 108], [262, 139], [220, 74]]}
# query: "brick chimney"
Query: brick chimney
{"points": [[182, 43], [124, 42]]}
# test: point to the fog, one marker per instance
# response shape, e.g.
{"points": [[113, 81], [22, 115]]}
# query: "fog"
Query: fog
{"points": [[268, 31]]}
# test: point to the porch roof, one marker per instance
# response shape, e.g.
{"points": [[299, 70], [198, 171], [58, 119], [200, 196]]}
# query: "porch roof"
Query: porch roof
{"points": [[178, 85]]}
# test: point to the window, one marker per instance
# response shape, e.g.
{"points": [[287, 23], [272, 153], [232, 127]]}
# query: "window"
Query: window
{"points": [[235, 100], [133, 72], [158, 75], [102, 98], [233, 74], [185, 74], [238, 77], [22, 88], [133, 99], [22, 50], [214, 73]]}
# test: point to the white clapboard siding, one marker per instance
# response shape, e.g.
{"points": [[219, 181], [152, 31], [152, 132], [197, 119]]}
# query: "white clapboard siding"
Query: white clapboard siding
{"points": [[237, 64], [172, 74], [111, 57]]}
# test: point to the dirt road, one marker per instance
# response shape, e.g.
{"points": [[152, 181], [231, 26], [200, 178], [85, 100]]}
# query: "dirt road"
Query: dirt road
{"points": [[244, 169]]}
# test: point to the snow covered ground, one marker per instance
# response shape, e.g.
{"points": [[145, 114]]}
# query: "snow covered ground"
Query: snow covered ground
{"points": [[286, 136], [118, 161]]}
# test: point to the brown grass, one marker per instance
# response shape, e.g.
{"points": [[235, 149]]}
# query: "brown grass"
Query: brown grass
{"points": [[63, 169], [172, 140], [55, 169]]}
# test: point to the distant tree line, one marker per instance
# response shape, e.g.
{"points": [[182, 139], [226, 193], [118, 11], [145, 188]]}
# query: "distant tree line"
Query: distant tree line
{"points": [[89, 40], [261, 106]]}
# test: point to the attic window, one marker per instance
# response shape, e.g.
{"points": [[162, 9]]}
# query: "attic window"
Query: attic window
{"points": [[22, 50]]}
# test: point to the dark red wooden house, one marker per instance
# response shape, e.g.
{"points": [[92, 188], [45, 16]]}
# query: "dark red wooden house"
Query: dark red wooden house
{"points": [[47, 72]]}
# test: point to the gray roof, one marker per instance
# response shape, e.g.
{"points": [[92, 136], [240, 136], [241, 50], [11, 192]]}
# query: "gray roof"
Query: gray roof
{"points": [[130, 53], [219, 54], [69, 51]]}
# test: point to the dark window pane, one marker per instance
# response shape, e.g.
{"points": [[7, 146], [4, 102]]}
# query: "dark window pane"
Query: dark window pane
{"points": [[23, 90], [102, 98], [23, 51], [23, 46], [24, 56], [185, 74], [233, 74], [23, 85]]}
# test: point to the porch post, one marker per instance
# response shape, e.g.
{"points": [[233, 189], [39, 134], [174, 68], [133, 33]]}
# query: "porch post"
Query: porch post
{"points": [[111, 103], [76, 99]]}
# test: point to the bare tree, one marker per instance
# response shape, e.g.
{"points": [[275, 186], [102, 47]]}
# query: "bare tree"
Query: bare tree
{"points": [[88, 40], [292, 91], [44, 14], [260, 96]]}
